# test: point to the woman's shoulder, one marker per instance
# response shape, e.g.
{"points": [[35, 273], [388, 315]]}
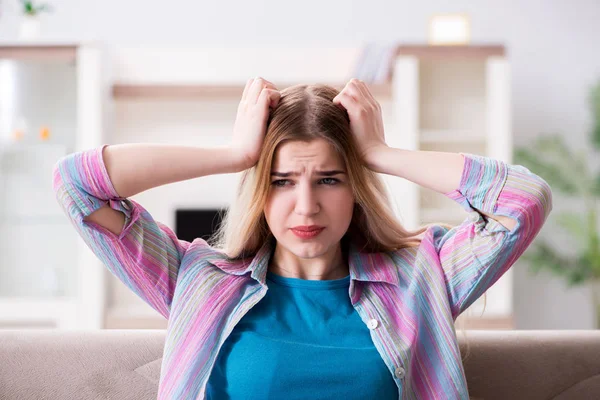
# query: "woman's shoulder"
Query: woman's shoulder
{"points": [[201, 251], [422, 241], [201, 248]]}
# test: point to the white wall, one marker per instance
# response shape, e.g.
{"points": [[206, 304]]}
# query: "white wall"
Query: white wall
{"points": [[552, 47]]}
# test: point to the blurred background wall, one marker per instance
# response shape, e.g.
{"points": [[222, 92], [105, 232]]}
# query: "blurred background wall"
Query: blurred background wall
{"points": [[552, 47]]}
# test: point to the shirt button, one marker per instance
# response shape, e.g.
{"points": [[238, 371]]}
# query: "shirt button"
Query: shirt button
{"points": [[474, 217], [372, 324], [400, 372]]}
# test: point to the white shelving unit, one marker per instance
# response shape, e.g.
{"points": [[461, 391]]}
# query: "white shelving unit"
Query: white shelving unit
{"points": [[453, 99], [49, 277]]}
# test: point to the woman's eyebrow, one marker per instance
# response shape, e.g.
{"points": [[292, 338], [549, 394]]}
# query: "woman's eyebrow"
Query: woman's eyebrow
{"points": [[320, 173]]}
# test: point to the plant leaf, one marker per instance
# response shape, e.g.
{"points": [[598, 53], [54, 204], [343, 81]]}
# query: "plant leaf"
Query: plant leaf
{"points": [[574, 223], [543, 257], [553, 174], [594, 98], [596, 186], [573, 165]]}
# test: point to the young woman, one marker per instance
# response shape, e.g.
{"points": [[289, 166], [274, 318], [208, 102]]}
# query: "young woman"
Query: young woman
{"points": [[312, 289]]}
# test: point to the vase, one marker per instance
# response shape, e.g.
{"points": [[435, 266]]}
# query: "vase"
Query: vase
{"points": [[30, 27], [595, 289]]}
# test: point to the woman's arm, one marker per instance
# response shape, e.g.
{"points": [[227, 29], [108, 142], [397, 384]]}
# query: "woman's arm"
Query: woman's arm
{"points": [[143, 253], [136, 167], [476, 253], [439, 171], [93, 188]]}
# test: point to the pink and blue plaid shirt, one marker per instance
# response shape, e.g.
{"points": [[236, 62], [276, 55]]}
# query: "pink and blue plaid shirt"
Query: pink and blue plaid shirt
{"points": [[408, 298]]}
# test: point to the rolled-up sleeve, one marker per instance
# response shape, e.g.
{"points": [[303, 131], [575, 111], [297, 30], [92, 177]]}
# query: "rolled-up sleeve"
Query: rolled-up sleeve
{"points": [[476, 253], [146, 255]]}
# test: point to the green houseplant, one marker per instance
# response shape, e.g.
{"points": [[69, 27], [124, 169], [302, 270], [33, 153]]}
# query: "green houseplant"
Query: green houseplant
{"points": [[569, 173], [30, 18], [31, 9]]}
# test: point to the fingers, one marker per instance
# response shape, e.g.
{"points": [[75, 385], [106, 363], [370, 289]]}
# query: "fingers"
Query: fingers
{"points": [[345, 100], [349, 97], [247, 89], [354, 95], [269, 96], [364, 90], [254, 88], [275, 96]]}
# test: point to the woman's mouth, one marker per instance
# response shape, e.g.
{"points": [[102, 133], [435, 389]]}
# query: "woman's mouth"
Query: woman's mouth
{"points": [[307, 234]]}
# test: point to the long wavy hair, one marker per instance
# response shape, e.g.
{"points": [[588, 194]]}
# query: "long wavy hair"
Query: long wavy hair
{"points": [[306, 113]]}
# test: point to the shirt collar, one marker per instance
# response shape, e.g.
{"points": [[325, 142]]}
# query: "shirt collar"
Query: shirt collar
{"points": [[372, 267]]}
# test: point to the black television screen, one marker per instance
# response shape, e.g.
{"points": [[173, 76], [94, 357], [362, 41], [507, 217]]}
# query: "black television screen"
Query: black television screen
{"points": [[197, 223]]}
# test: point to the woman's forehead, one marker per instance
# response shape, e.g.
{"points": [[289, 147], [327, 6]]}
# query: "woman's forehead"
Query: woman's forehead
{"points": [[317, 153]]}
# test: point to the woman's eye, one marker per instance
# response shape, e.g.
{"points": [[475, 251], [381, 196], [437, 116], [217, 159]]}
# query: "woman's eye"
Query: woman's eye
{"points": [[328, 182], [332, 181], [278, 183]]}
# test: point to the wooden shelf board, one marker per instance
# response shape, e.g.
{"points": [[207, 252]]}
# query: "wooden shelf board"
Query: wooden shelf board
{"points": [[166, 90], [451, 51], [432, 136], [57, 52]]}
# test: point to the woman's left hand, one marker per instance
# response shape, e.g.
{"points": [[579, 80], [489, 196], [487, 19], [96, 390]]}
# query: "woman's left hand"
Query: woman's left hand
{"points": [[366, 121]]}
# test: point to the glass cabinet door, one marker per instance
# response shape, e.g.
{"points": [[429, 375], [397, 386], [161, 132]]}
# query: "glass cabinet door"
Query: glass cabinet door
{"points": [[38, 119]]}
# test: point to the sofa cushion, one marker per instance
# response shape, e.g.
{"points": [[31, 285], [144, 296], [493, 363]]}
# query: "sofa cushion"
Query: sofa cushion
{"points": [[125, 364], [103, 364]]}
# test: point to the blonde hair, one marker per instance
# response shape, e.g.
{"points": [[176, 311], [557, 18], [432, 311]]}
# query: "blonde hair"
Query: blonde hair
{"points": [[306, 113]]}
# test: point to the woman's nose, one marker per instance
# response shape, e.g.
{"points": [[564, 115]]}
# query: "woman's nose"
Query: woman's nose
{"points": [[306, 201]]}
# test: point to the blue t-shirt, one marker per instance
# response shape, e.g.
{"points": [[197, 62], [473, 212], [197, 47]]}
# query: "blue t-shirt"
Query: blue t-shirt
{"points": [[303, 340]]}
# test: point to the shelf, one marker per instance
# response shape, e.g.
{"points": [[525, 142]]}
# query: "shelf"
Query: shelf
{"points": [[34, 220], [451, 51], [39, 51], [450, 136], [458, 146], [447, 215], [23, 146], [166, 90], [452, 96], [61, 85]]}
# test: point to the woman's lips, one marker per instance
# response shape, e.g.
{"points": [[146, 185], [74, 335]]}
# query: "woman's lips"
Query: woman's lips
{"points": [[307, 234]]}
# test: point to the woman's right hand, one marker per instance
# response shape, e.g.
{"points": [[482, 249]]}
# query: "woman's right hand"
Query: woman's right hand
{"points": [[251, 120]]}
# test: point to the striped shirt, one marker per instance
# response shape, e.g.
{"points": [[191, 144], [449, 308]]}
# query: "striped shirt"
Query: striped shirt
{"points": [[408, 298]]}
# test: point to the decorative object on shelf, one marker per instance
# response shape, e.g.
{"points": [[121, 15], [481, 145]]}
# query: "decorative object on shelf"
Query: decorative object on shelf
{"points": [[449, 29], [569, 173], [20, 130], [30, 27], [44, 133], [375, 63]]}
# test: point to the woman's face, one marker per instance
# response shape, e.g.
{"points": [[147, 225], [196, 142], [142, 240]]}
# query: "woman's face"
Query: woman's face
{"points": [[308, 197]]}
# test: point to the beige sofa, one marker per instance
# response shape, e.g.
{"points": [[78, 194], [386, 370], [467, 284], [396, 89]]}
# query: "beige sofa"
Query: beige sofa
{"points": [[125, 364]]}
